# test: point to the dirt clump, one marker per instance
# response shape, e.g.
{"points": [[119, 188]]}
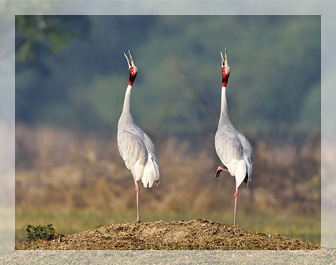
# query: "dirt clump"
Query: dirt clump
{"points": [[197, 234]]}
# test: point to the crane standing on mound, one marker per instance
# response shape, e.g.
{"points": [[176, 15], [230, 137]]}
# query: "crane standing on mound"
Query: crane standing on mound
{"points": [[135, 147], [233, 149]]}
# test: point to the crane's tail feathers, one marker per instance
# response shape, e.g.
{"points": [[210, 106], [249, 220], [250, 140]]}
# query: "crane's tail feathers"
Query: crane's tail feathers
{"points": [[240, 173], [248, 171], [151, 172], [137, 170], [156, 168]]}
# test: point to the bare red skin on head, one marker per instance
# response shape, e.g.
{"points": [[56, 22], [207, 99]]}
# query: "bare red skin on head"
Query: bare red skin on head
{"points": [[225, 77], [132, 76]]}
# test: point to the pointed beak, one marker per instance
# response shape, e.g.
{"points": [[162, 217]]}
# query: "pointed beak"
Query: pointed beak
{"points": [[226, 59], [130, 61], [130, 55], [222, 60]]}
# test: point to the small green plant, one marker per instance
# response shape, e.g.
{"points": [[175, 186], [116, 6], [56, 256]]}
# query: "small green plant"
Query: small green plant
{"points": [[44, 232]]}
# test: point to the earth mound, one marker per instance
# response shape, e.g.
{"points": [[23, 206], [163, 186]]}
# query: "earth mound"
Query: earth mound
{"points": [[200, 234]]}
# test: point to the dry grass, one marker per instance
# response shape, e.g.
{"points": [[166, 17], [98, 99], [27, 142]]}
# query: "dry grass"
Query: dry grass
{"points": [[62, 169]]}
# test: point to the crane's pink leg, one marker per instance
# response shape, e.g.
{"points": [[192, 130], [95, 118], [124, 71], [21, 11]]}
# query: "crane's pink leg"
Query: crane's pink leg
{"points": [[235, 207], [219, 170], [137, 190]]}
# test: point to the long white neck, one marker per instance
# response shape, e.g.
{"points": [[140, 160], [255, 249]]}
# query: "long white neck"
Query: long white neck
{"points": [[126, 112], [224, 115]]}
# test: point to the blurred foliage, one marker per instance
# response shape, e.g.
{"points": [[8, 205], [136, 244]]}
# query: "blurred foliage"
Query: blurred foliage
{"points": [[38, 36], [70, 71]]}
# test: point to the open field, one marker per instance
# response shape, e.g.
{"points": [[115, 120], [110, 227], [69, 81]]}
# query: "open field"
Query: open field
{"points": [[80, 183]]}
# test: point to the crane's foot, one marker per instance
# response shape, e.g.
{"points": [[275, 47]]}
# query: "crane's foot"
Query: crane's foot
{"points": [[219, 170]]}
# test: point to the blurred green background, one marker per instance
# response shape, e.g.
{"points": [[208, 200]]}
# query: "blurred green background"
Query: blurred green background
{"points": [[71, 77], [75, 64]]}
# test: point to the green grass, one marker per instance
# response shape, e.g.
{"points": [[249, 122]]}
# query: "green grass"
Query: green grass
{"points": [[66, 222], [304, 227]]}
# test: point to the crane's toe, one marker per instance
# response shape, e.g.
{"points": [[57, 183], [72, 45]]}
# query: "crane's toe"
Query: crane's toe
{"points": [[219, 170]]}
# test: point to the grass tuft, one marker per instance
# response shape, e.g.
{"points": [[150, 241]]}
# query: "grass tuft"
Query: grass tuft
{"points": [[42, 232]]}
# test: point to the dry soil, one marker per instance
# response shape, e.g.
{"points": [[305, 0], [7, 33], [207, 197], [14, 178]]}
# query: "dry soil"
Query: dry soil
{"points": [[197, 234]]}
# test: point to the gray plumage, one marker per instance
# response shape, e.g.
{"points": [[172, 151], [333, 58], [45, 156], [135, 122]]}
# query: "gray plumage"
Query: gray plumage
{"points": [[135, 147], [233, 149]]}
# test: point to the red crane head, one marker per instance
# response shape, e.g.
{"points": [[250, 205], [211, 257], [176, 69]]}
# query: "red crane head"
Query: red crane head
{"points": [[225, 69], [132, 68]]}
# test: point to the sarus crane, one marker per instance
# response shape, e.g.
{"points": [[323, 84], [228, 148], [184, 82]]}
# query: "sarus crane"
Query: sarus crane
{"points": [[233, 149], [135, 147]]}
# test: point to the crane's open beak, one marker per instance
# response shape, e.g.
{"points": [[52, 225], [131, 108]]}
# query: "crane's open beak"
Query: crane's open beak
{"points": [[131, 66], [133, 70], [130, 61], [224, 61]]}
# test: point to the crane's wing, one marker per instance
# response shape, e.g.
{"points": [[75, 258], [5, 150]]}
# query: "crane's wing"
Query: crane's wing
{"points": [[138, 158], [228, 147], [151, 149], [236, 154], [248, 154], [132, 149]]}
